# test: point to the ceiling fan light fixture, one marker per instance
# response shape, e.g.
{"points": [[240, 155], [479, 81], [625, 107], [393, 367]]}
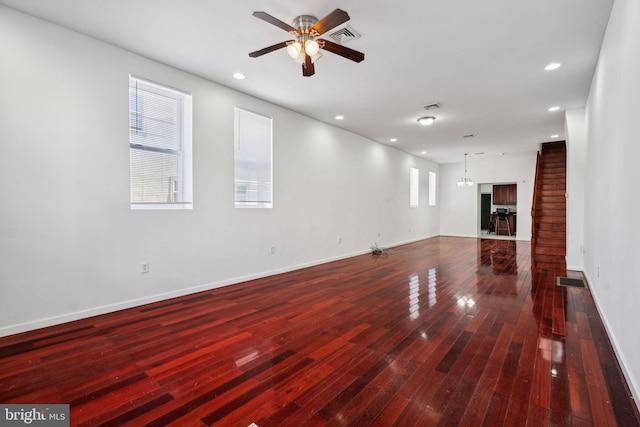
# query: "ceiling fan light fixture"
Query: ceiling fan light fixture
{"points": [[311, 47], [294, 49], [317, 55], [426, 121], [300, 58]]}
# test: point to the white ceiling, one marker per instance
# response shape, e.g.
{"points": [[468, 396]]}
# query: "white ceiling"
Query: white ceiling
{"points": [[483, 61]]}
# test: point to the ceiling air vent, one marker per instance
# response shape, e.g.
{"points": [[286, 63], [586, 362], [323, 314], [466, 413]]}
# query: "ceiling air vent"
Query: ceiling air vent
{"points": [[344, 35]]}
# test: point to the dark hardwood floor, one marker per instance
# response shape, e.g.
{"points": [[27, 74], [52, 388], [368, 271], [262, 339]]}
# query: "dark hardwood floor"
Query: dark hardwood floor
{"points": [[446, 331]]}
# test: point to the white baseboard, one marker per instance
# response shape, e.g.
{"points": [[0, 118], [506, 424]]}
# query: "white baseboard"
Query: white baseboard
{"points": [[622, 361], [109, 308]]}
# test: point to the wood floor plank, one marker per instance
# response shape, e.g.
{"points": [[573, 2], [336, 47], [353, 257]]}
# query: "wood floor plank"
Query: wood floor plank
{"points": [[445, 331]]}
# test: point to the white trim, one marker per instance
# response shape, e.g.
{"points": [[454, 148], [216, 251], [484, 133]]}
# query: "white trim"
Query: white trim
{"points": [[622, 362], [109, 308]]}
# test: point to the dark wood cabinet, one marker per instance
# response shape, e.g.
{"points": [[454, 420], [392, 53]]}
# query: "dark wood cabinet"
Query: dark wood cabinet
{"points": [[505, 194]]}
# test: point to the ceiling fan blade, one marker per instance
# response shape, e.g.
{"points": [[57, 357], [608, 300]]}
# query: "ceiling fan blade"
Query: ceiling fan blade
{"points": [[338, 49], [308, 69], [269, 49], [275, 21], [330, 21]]}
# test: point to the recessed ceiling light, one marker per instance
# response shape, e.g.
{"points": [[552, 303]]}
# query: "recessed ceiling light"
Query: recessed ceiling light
{"points": [[552, 66], [423, 152], [238, 76], [555, 136], [554, 108], [339, 117], [393, 139]]}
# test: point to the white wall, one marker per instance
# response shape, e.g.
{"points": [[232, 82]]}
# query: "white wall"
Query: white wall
{"points": [[70, 246], [460, 206], [576, 141], [612, 236]]}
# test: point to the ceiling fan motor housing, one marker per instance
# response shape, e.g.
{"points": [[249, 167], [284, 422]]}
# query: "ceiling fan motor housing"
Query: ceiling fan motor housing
{"points": [[304, 22]]}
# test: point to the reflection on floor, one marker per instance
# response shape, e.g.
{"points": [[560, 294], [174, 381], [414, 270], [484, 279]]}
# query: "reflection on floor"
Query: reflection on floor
{"points": [[446, 331], [484, 234]]}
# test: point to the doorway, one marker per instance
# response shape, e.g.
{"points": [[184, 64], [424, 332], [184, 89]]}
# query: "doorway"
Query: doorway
{"points": [[485, 211], [493, 198]]}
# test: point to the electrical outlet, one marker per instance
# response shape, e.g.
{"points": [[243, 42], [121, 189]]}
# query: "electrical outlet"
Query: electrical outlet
{"points": [[145, 267], [339, 240], [272, 250]]}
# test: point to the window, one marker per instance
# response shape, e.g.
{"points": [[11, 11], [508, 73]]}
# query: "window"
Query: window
{"points": [[414, 187], [253, 158], [432, 188], [159, 146]]}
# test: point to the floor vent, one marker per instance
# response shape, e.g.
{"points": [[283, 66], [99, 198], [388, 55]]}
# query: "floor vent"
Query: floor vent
{"points": [[568, 281]]}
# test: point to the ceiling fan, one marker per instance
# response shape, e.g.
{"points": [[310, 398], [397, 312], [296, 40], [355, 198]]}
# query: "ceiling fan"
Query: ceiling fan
{"points": [[304, 49]]}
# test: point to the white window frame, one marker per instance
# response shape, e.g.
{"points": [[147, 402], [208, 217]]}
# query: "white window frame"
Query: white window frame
{"points": [[256, 192], [180, 186], [414, 187], [432, 188]]}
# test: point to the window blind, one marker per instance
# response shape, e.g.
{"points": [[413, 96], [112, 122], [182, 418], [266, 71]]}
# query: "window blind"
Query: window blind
{"points": [[157, 144]]}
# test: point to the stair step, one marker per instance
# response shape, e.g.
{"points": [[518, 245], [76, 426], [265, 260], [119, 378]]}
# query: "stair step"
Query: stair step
{"points": [[554, 147], [551, 192], [549, 251], [552, 186], [553, 157], [547, 177], [556, 160], [552, 213], [550, 243], [550, 220], [550, 199], [553, 150], [548, 234], [541, 207], [552, 226], [555, 182], [552, 168], [560, 183], [546, 153]]}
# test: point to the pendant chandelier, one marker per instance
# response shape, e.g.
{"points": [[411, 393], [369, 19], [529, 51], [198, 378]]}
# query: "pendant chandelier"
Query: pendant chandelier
{"points": [[465, 181]]}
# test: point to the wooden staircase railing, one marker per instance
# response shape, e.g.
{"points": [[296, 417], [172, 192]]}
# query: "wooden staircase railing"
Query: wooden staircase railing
{"points": [[534, 229]]}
